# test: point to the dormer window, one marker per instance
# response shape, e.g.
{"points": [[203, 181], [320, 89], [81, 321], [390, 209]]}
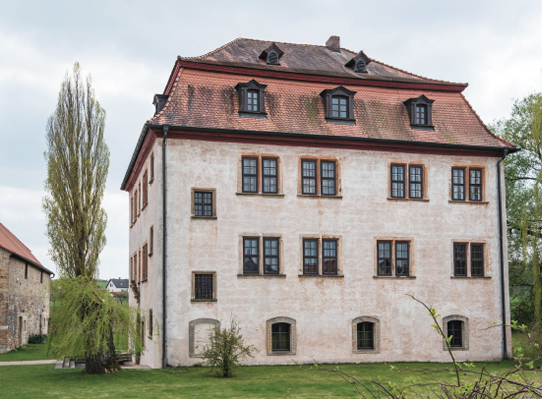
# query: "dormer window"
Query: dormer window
{"points": [[271, 55], [420, 112], [339, 104], [251, 98], [359, 63]]}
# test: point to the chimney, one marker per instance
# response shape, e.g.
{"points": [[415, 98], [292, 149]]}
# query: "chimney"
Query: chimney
{"points": [[159, 102], [334, 44]]}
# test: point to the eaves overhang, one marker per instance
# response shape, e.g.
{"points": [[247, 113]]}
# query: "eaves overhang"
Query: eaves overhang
{"points": [[26, 260]]}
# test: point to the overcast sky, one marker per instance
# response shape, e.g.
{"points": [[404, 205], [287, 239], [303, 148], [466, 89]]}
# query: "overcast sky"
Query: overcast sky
{"points": [[130, 47]]}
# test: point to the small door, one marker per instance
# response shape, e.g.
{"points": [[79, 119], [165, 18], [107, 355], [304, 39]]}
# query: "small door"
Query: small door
{"points": [[40, 323], [20, 331]]}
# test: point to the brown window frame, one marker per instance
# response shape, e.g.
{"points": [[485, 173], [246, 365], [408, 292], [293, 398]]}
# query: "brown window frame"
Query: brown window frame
{"points": [[394, 258], [144, 265], [408, 183], [151, 167], [469, 259], [145, 190]]}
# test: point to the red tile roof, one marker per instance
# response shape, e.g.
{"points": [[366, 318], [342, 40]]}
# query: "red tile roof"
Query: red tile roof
{"points": [[13, 245]]}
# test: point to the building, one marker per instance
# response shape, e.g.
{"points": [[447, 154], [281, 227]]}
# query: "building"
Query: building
{"points": [[307, 190], [118, 285], [24, 293]]}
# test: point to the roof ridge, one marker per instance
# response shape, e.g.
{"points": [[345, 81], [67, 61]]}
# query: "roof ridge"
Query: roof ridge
{"points": [[485, 126], [215, 50]]}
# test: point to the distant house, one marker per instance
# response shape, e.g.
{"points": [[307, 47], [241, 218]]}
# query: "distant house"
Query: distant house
{"points": [[24, 294], [116, 285]]}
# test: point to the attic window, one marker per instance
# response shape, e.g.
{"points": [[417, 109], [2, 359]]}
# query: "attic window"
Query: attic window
{"points": [[339, 104], [251, 98], [359, 63], [420, 112], [271, 55]]}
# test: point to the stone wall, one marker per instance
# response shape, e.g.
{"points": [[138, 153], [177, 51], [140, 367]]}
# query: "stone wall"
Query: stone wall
{"points": [[4, 284], [28, 302]]}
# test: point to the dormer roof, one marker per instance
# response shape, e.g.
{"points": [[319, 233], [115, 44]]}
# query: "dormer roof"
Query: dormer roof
{"points": [[271, 55], [359, 63]]}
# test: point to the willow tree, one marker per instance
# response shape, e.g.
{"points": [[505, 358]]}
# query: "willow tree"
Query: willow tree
{"points": [[77, 165]]}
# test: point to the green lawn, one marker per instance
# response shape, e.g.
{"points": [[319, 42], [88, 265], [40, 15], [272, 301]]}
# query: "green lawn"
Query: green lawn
{"points": [[26, 352], [199, 382]]}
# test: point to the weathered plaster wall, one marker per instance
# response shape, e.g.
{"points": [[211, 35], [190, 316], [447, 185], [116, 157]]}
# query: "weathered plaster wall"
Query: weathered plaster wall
{"points": [[150, 290], [28, 301], [324, 307], [4, 287]]}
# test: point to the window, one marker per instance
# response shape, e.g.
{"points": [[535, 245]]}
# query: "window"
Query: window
{"points": [[151, 323], [338, 104], [400, 187], [144, 261], [420, 112], [327, 256], [457, 327], [139, 271], [365, 339], [250, 175], [203, 286], [259, 175], [260, 256], [393, 258], [131, 268], [131, 211], [145, 190], [135, 205], [468, 259], [139, 200], [270, 175], [365, 335], [204, 203], [359, 63], [26, 271], [319, 177], [250, 256], [251, 98], [151, 240], [281, 336], [271, 55], [151, 167], [41, 277], [467, 180]]}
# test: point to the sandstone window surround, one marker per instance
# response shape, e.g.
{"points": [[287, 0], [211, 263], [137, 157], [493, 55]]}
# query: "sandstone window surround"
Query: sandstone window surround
{"points": [[204, 286], [198, 333], [359, 338], [469, 259], [259, 174], [321, 255], [467, 185], [261, 255], [278, 329], [458, 327], [394, 258], [203, 203], [408, 181], [319, 177]]}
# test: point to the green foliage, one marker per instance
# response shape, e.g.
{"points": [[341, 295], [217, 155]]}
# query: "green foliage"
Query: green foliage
{"points": [[77, 165], [84, 318], [37, 338], [227, 349]]}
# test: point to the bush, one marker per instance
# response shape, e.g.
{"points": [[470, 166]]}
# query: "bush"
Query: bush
{"points": [[37, 339], [227, 349]]}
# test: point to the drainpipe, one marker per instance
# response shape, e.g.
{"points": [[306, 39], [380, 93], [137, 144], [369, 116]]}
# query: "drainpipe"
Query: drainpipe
{"points": [[164, 248], [501, 237]]}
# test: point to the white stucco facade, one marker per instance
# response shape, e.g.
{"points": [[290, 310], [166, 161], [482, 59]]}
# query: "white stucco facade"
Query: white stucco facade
{"points": [[321, 308]]}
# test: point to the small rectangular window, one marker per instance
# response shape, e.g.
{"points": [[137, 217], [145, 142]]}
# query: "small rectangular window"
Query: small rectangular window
{"points": [[329, 257], [458, 184], [310, 256], [365, 335], [151, 322], [250, 175], [477, 260], [270, 175], [203, 203], [41, 277], [26, 270], [339, 107], [455, 330], [203, 286], [151, 179], [328, 177], [460, 259], [384, 258], [308, 175], [271, 255], [131, 268], [421, 114], [145, 190], [151, 240], [131, 211], [251, 257], [144, 262], [401, 258], [415, 182], [475, 185], [252, 100], [398, 181], [280, 337]]}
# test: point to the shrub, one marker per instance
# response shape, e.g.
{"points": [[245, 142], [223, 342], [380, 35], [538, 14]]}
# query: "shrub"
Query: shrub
{"points": [[37, 339], [227, 349]]}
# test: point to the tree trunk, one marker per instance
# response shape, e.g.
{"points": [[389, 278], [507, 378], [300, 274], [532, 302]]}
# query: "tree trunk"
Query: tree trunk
{"points": [[105, 361]]}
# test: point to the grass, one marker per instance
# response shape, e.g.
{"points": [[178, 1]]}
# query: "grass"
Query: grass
{"points": [[26, 352], [199, 382]]}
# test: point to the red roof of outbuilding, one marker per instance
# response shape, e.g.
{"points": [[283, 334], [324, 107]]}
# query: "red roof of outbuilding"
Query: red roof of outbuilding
{"points": [[13, 245]]}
